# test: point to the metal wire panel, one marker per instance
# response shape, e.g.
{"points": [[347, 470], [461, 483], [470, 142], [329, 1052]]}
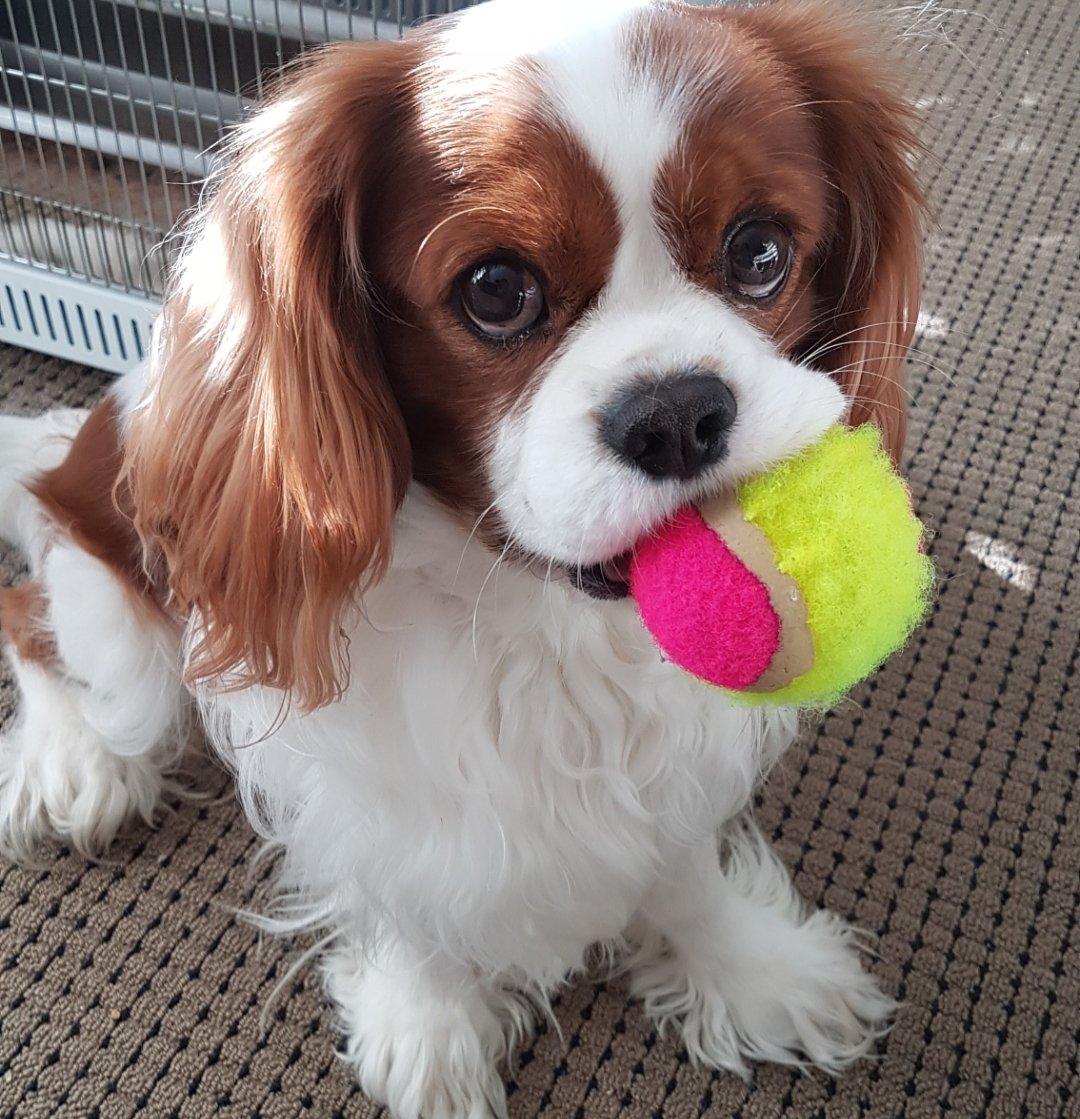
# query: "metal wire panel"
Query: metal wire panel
{"points": [[108, 109]]}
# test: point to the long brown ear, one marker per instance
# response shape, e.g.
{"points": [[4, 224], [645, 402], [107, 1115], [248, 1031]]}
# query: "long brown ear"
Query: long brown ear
{"points": [[869, 277], [268, 458]]}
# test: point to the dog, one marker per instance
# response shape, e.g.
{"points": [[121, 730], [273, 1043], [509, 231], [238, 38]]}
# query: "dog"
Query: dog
{"points": [[462, 318]]}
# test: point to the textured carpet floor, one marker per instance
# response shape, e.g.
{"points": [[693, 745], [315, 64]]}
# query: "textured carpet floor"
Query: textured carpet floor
{"points": [[937, 809]]}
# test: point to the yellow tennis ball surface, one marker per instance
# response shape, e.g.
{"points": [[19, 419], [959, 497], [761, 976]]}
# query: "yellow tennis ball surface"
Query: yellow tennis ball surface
{"points": [[840, 522]]}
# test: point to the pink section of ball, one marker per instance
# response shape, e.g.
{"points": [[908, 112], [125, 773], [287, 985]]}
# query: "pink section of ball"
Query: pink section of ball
{"points": [[708, 613]]}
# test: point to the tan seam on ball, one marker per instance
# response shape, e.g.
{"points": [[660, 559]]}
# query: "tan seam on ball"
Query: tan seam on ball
{"points": [[795, 655]]}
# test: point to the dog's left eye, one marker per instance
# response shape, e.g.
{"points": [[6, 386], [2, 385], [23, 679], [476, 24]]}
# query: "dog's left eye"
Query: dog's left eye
{"points": [[757, 259], [501, 297]]}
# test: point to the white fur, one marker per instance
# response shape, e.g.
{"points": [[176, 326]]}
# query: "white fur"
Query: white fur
{"points": [[729, 954], [594, 505], [58, 777], [419, 1033], [129, 692], [541, 781], [563, 759], [513, 774]]}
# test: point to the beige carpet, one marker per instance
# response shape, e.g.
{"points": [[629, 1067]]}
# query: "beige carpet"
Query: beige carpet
{"points": [[938, 808]]}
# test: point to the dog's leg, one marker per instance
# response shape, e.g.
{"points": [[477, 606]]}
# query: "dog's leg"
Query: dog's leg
{"points": [[726, 951], [59, 777], [100, 719], [423, 1035]]}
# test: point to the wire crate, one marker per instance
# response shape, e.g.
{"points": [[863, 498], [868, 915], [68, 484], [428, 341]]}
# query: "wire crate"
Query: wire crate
{"points": [[108, 112]]}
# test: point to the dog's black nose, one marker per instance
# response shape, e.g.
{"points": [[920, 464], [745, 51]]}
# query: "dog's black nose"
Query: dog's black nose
{"points": [[672, 428]]}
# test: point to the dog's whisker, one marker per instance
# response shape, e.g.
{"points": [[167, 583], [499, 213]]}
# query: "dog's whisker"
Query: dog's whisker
{"points": [[457, 215], [808, 358], [469, 539], [910, 353], [480, 594]]}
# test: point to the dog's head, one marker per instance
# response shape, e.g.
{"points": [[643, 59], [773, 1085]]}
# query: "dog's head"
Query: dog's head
{"points": [[569, 265]]}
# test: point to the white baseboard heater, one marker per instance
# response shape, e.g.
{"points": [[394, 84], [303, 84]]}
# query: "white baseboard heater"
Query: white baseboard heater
{"points": [[107, 111]]}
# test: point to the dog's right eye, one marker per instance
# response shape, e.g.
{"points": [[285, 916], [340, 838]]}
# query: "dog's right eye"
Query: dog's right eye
{"points": [[757, 259], [501, 298]]}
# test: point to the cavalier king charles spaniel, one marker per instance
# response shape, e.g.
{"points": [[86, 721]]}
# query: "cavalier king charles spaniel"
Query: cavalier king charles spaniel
{"points": [[461, 318]]}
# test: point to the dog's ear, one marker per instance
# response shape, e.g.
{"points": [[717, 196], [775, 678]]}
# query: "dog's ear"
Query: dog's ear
{"points": [[869, 274], [268, 457]]}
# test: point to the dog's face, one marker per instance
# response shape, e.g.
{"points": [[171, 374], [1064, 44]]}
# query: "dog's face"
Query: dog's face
{"points": [[570, 270]]}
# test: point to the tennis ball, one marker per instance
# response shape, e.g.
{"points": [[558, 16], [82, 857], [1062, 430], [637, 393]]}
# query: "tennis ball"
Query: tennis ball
{"points": [[797, 585]]}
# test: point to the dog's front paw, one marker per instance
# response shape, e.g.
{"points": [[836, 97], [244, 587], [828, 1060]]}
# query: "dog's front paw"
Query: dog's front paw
{"points": [[424, 1050], [59, 778], [808, 1001], [727, 952], [818, 1001]]}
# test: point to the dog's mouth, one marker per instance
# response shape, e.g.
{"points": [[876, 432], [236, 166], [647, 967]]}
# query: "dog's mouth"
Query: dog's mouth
{"points": [[607, 580]]}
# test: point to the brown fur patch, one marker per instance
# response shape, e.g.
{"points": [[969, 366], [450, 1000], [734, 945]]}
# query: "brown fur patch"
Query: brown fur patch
{"points": [[87, 498], [24, 622], [295, 402], [745, 152]]}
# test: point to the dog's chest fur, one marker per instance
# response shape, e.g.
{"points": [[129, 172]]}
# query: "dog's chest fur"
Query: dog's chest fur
{"points": [[509, 768]]}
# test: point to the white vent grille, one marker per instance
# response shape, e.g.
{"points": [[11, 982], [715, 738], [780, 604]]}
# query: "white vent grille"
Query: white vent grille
{"points": [[70, 318], [108, 109]]}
